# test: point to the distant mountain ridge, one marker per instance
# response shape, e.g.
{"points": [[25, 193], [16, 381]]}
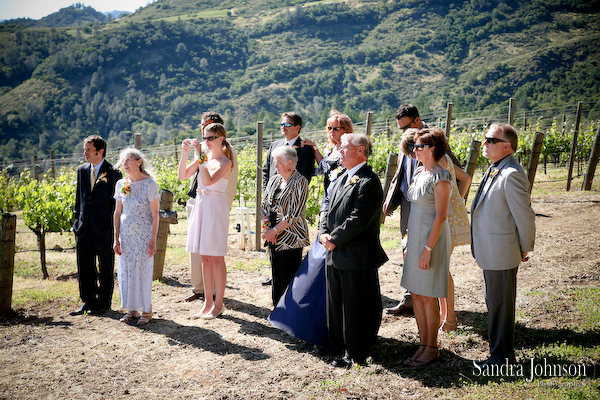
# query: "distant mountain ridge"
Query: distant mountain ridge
{"points": [[74, 15], [158, 69]]}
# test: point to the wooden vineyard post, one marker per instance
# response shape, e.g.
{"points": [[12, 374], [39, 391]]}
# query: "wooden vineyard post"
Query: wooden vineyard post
{"points": [[536, 150], [369, 123], [166, 217], [574, 144], [137, 141], [511, 111], [591, 168], [259, 148], [7, 260], [390, 170], [472, 160]]}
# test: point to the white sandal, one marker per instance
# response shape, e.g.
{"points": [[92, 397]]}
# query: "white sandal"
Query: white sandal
{"points": [[145, 318], [129, 316]]}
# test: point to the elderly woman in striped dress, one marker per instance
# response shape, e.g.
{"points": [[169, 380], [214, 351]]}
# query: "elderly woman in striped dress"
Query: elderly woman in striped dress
{"points": [[283, 209]]}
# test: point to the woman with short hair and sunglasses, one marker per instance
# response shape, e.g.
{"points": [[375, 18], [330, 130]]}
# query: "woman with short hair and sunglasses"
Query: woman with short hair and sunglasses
{"points": [[301, 310], [427, 257], [208, 223]]}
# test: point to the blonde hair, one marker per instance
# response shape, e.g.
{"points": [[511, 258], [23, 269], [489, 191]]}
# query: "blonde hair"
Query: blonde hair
{"points": [[219, 130]]}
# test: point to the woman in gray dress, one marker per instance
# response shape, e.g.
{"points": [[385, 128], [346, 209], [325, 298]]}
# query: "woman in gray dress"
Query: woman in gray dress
{"points": [[427, 258]]}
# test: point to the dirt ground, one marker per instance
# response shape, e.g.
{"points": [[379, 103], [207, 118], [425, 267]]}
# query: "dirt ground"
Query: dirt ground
{"points": [[47, 354]]}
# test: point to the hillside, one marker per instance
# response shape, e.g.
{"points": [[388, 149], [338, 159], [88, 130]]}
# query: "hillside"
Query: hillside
{"points": [[158, 69]]}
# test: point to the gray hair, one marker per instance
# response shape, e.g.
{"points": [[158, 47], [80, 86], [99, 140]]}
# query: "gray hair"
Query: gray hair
{"points": [[136, 155], [360, 139], [407, 145], [286, 153]]}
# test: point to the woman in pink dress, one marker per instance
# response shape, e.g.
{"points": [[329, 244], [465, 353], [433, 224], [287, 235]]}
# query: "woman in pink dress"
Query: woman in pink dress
{"points": [[209, 220]]}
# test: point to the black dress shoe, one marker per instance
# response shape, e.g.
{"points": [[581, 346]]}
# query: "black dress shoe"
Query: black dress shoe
{"points": [[329, 351], [268, 282], [343, 362], [194, 296], [81, 310], [99, 311]]}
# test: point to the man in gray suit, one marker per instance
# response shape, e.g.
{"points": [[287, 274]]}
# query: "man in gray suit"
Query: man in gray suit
{"points": [[502, 233], [407, 116]]}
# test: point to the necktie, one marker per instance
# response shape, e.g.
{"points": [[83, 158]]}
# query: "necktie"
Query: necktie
{"points": [[482, 185], [92, 177]]}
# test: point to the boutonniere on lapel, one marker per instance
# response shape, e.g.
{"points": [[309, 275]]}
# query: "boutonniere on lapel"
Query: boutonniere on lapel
{"points": [[494, 172], [354, 179], [333, 175], [126, 189], [102, 178], [295, 147]]}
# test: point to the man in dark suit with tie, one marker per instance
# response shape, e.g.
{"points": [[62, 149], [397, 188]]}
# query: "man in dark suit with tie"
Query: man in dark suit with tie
{"points": [[502, 233], [407, 117], [93, 227], [291, 124], [350, 233]]}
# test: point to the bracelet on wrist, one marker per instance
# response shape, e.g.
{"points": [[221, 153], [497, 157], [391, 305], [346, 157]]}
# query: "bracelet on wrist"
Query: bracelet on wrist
{"points": [[428, 248], [275, 229]]}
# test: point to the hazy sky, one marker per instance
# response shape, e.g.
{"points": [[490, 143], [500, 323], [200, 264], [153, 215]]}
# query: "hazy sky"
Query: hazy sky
{"points": [[37, 9]]}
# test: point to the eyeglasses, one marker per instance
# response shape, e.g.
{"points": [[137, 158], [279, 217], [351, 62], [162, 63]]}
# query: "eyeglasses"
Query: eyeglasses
{"points": [[210, 138], [493, 140], [344, 148], [409, 124], [287, 124], [334, 128], [421, 146]]}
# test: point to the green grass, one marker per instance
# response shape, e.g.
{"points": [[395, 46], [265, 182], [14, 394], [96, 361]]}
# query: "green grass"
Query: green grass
{"points": [[34, 291]]}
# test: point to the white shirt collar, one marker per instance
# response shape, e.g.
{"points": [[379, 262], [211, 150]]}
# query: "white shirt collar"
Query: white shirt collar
{"points": [[354, 170], [291, 142]]}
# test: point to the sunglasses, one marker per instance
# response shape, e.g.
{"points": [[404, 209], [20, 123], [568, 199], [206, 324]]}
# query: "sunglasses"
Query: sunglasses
{"points": [[334, 128], [210, 138], [493, 140], [287, 124], [409, 124], [421, 146]]}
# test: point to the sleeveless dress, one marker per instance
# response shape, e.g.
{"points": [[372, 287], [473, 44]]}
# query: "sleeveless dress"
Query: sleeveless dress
{"points": [[134, 267], [432, 282], [458, 219], [301, 310], [208, 224]]}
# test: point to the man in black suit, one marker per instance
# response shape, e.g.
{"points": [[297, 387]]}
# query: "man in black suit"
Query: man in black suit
{"points": [[93, 227], [350, 233], [291, 124], [407, 116]]}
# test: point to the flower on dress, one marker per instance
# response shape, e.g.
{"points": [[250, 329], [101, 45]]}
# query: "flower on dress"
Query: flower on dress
{"points": [[266, 224], [202, 158], [102, 178], [126, 189], [354, 179], [333, 175], [204, 192]]}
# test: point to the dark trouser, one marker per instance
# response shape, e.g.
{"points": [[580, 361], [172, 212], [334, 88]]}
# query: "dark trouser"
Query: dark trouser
{"points": [[500, 297], [404, 213], [284, 265], [353, 309], [95, 285]]}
